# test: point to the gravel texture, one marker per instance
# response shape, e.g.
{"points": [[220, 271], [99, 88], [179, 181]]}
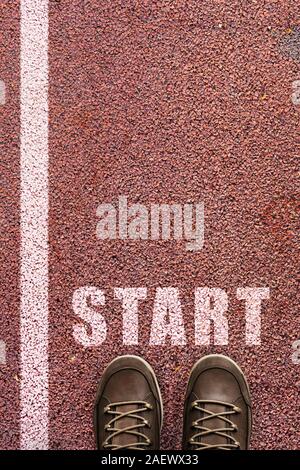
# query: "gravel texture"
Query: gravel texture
{"points": [[173, 102]]}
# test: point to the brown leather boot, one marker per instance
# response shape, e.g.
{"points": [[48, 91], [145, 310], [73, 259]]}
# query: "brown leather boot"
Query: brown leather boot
{"points": [[128, 410], [217, 412]]}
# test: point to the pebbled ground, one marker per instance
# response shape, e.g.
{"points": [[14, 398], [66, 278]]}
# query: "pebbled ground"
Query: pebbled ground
{"points": [[174, 102]]}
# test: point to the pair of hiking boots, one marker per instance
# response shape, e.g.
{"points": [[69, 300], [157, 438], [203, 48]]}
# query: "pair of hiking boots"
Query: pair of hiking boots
{"points": [[129, 410]]}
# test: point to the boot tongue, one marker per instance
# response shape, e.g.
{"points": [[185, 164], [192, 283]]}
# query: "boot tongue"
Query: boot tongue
{"points": [[215, 423], [124, 438]]}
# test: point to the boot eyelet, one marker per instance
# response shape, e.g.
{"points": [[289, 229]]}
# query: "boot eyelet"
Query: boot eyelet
{"points": [[194, 404], [149, 407], [106, 409], [192, 440], [236, 409]]}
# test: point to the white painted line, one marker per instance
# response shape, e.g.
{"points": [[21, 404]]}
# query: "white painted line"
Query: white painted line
{"points": [[296, 352], [2, 92], [2, 353], [34, 225]]}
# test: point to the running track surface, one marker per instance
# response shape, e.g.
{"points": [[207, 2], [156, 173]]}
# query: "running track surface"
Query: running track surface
{"points": [[176, 101]]}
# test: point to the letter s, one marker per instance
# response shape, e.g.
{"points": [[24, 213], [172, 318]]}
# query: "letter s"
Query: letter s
{"points": [[90, 315]]}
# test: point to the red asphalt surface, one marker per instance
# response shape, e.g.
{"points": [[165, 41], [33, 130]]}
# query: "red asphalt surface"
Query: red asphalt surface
{"points": [[9, 217], [164, 102]]}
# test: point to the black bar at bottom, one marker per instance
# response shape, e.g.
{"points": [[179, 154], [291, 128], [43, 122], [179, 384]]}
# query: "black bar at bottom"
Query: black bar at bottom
{"points": [[133, 460]]}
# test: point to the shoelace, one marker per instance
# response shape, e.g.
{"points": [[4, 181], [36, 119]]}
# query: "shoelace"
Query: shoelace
{"points": [[202, 430], [132, 430]]}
